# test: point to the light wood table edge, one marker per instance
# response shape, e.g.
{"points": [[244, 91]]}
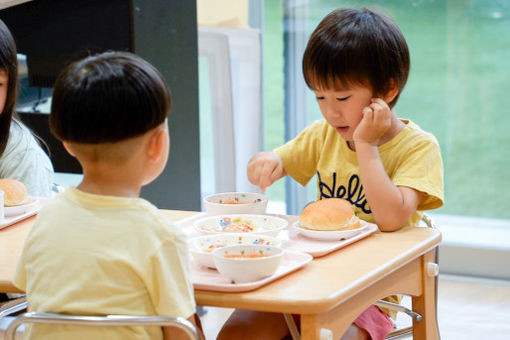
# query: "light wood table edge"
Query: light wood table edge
{"points": [[240, 300]]}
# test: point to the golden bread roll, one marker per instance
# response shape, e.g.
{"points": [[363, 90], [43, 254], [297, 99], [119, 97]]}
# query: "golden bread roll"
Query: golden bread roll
{"points": [[329, 214], [15, 192]]}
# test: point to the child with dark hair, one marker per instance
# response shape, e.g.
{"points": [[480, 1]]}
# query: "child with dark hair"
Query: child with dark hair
{"points": [[21, 157], [357, 63], [99, 248]]}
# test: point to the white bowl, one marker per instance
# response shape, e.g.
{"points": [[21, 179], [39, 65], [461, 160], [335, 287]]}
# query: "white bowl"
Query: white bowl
{"points": [[243, 268], [201, 247], [235, 203], [241, 223]]}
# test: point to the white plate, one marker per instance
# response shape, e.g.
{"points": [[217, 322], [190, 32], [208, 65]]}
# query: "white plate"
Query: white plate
{"points": [[262, 224], [10, 220], [21, 209], [295, 241], [328, 234]]}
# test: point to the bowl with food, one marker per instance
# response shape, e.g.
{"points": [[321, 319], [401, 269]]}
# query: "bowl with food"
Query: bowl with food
{"points": [[201, 247], [241, 223], [235, 203], [247, 262]]}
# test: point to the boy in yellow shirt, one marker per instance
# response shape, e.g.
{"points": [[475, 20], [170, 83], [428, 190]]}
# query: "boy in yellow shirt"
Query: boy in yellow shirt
{"points": [[100, 249], [357, 63]]}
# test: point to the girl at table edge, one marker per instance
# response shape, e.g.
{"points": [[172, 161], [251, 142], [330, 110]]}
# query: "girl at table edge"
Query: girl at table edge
{"points": [[21, 156], [357, 63]]}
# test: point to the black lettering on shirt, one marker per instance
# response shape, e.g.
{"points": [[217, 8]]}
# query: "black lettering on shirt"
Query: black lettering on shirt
{"points": [[352, 192]]}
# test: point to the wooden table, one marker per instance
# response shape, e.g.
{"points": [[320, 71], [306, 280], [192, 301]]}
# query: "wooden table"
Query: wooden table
{"points": [[329, 292]]}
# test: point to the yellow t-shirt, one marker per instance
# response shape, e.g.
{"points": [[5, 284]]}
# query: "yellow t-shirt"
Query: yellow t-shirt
{"points": [[411, 159], [98, 255]]}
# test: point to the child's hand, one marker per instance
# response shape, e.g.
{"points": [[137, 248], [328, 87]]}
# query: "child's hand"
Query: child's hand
{"points": [[375, 122], [264, 169]]}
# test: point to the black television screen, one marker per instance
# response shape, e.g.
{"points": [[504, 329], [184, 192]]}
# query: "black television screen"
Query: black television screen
{"points": [[51, 33]]}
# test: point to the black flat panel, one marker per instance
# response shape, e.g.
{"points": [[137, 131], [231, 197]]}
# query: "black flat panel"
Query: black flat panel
{"points": [[166, 35], [51, 33]]}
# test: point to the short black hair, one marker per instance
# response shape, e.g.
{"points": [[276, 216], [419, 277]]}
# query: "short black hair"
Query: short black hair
{"points": [[357, 46], [108, 97]]}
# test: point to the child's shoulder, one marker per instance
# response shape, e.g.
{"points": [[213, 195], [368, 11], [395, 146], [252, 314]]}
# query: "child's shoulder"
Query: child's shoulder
{"points": [[412, 131], [136, 217], [20, 136], [94, 206], [410, 142]]}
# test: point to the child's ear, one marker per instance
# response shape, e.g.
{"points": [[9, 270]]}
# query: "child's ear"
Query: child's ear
{"points": [[392, 92], [68, 149], [156, 143]]}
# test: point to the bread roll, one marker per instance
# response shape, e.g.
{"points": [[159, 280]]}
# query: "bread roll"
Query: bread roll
{"points": [[15, 192], [329, 214]]}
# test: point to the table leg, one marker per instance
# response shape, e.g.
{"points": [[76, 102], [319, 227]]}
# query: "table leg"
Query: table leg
{"points": [[331, 324], [314, 327], [425, 304]]}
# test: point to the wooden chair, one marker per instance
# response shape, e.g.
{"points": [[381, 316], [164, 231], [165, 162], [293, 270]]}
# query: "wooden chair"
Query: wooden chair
{"points": [[85, 320]]}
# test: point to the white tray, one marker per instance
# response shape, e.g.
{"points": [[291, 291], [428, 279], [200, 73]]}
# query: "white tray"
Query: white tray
{"points": [[292, 241], [9, 220], [186, 225], [210, 279]]}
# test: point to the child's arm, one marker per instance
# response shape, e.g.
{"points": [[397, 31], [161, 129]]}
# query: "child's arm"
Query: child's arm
{"points": [[174, 333], [265, 168], [391, 205]]}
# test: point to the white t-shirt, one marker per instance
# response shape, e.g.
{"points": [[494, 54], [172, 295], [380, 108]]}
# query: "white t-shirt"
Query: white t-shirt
{"points": [[24, 159]]}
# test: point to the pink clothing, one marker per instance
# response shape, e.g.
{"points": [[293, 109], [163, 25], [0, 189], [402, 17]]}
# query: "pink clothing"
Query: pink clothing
{"points": [[375, 322]]}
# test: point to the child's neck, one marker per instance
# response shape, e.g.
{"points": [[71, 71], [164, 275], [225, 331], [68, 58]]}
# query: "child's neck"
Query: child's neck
{"points": [[110, 182]]}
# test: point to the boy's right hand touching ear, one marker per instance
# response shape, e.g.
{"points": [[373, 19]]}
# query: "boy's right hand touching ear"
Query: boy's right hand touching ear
{"points": [[264, 169], [375, 122]]}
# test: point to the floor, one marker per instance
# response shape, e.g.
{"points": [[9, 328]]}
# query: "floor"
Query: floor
{"points": [[468, 309]]}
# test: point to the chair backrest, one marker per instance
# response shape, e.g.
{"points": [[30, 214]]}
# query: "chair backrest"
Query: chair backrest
{"points": [[13, 306], [109, 320], [428, 220]]}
